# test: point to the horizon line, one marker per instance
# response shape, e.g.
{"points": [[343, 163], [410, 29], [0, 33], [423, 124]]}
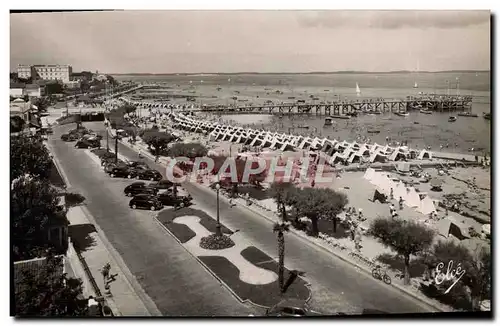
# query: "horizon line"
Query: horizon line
{"points": [[298, 73]]}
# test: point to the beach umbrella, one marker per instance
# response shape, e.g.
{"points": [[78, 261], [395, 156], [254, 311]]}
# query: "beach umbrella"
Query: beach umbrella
{"points": [[436, 183]]}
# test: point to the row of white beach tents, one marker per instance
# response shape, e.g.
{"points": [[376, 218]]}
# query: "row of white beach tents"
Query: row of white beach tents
{"points": [[420, 201], [333, 151]]}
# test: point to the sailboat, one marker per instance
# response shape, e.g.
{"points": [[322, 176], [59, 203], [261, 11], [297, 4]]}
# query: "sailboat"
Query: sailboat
{"points": [[418, 69], [358, 91]]}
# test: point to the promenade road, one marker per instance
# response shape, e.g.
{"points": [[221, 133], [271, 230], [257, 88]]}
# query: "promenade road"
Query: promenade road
{"points": [[174, 279], [336, 285]]}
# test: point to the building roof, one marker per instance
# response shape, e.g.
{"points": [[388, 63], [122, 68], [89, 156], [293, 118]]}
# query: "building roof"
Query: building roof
{"points": [[17, 85], [32, 86]]}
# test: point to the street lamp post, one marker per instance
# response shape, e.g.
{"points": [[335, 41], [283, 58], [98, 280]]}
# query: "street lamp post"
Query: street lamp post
{"points": [[116, 149], [218, 227]]}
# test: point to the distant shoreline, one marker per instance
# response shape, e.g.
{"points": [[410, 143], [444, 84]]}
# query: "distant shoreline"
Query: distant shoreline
{"points": [[299, 73]]}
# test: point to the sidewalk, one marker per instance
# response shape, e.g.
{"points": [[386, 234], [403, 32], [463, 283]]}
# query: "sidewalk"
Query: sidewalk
{"points": [[124, 298]]}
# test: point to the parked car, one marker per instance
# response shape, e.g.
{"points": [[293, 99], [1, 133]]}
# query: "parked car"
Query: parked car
{"points": [[162, 184], [168, 199], [152, 175], [291, 308], [120, 171], [145, 201], [139, 188], [69, 137], [135, 164], [86, 143]]}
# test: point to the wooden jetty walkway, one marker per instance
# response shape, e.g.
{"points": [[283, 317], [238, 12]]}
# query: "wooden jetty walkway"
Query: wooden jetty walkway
{"points": [[438, 103]]}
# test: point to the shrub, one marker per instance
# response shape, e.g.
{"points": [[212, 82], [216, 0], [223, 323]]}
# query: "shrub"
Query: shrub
{"points": [[74, 199], [215, 242]]}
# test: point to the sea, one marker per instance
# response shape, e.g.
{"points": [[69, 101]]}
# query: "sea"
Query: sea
{"points": [[466, 135]]}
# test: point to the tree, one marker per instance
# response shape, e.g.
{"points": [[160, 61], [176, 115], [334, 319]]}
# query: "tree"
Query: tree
{"points": [[319, 203], [405, 237], [33, 207], [190, 150], [157, 140], [16, 124], [111, 80], [42, 103], [48, 292], [280, 229], [54, 88], [476, 264], [282, 193], [28, 155], [127, 108]]}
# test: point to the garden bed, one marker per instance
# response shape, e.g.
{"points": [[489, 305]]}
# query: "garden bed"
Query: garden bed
{"points": [[182, 232], [264, 294]]}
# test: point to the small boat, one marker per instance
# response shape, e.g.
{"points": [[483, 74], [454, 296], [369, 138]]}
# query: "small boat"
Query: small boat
{"points": [[402, 114], [425, 111], [352, 114], [328, 121], [340, 117], [416, 85], [487, 116], [467, 114], [452, 119], [374, 112], [358, 90], [373, 131], [303, 126], [416, 122]]}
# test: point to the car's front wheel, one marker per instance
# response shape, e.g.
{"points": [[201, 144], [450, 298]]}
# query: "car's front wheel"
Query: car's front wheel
{"points": [[129, 194], [134, 206], [129, 176], [112, 175], [153, 208]]}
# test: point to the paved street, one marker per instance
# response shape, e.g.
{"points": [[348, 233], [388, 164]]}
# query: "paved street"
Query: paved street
{"points": [[161, 264], [336, 285], [173, 279]]}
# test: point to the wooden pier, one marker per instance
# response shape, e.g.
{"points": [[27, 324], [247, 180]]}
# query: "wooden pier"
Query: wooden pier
{"points": [[438, 103]]}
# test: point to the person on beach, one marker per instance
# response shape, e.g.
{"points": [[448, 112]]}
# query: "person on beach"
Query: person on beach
{"points": [[401, 203]]}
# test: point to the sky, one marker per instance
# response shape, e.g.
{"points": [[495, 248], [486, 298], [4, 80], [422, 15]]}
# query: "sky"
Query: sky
{"points": [[253, 41]]}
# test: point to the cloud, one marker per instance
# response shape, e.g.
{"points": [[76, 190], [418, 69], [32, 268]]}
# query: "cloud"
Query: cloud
{"points": [[393, 19]]}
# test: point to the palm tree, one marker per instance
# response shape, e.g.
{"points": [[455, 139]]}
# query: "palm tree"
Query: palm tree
{"points": [[281, 228]]}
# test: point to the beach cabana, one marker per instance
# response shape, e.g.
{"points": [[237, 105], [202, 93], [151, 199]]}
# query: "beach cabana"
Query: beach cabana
{"points": [[424, 155], [426, 204], [397, 155], [412, 198], [355, 158], [369, 173], [377, 157]]}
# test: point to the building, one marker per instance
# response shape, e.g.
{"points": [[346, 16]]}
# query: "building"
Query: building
{"points": [[17, 89], [34, 90], [46, 72], [24, 71]]}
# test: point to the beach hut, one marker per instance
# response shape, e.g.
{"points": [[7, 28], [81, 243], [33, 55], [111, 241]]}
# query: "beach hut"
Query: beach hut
{"points": [[449, 226], [364, 151], [355, 158], [424, 155], [326, 146], [305, 144], [412, 198], [336, 158], [426, 204], [398, 155], [399, 190], [377, 157], [369, 173]]}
